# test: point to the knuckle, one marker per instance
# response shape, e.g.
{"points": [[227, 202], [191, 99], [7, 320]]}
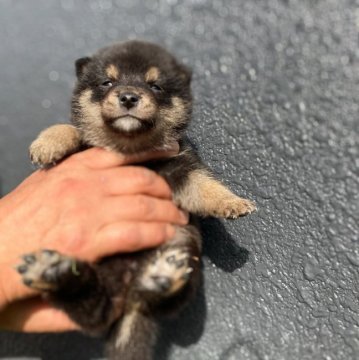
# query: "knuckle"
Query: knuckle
{"points": [[144, 177], [145, 234], [133, 234], [129, 237], [145, 205], [160, 234], [172, 210], [68, 185], [73, 239]]}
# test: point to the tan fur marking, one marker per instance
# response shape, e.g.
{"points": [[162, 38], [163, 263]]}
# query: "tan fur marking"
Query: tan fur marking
{"points": [[111, 105], [112, 72], [90, 121], [54, 143], [91, 112], [175, 114], [126, 327], [152, 74], [147, 107], [206, 196]]}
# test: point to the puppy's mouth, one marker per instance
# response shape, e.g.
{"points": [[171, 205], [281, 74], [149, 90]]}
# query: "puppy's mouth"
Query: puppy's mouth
{"points": [[129, 125]]}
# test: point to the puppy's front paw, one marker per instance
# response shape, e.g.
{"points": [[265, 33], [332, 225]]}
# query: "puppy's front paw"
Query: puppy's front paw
{"points": [[44, 153], [167, 273], [45, 270], [54, 144], [234, 207]]}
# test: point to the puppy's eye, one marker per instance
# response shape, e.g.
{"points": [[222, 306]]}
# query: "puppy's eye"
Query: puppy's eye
{"points": [[107, 83], [155, 88]]}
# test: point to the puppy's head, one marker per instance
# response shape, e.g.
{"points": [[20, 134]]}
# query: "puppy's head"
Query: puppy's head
{"points": [[131, 97]]}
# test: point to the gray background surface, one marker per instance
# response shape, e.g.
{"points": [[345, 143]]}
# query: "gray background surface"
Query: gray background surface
{"points": [[276, 117]]}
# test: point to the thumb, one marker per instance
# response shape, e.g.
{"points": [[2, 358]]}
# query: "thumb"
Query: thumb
{"points": [[34, 315]]}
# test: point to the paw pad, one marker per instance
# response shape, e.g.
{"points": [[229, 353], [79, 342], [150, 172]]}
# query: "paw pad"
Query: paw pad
{"points": [[43, 270], [167, 273]]}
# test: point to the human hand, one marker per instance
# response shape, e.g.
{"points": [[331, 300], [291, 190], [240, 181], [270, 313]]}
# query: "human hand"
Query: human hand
{"points": [[88, 206]]}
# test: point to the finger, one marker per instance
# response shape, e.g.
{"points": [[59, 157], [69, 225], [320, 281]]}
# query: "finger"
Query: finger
{"points": [[128, 237], [35, 315], [14, 289], [140, 208], [97, 158], [131, 180]]}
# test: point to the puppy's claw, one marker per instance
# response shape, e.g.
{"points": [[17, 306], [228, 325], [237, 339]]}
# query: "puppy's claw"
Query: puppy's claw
{"points": [[27, 282], [21, 269], [163, 282], [235, 207], [29, 258]]}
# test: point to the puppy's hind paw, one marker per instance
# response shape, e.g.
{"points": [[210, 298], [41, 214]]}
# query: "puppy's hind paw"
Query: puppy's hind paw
{"points": [[235, 207], [167, 273], [45, 270]]}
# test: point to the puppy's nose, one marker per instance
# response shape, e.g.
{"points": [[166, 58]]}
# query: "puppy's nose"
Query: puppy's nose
{"points": [[129, 100]]}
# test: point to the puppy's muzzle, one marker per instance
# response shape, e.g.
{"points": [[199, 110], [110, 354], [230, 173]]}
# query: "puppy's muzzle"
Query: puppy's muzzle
{"points": [[129, 110]]}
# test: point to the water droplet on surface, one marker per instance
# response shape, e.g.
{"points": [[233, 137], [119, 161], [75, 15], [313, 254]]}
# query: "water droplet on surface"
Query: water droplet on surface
{"points": [[46, 103], [331, 217], [54, 75], [302, 107], [224, 69], [252, 74]]}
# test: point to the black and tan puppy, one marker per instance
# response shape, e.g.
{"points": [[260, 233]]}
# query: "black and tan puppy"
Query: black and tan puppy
{"points": [[131, 97]]}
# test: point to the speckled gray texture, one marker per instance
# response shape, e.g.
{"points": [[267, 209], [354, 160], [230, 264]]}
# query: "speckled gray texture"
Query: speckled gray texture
{"points": [[276, 116]]}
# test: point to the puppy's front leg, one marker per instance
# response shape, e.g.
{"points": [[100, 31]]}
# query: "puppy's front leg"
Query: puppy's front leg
{"points": [[203, 195], [54, 144]]}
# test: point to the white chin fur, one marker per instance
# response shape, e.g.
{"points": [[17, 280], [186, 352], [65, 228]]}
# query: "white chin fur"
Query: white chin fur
{"points": [[127, 123]]}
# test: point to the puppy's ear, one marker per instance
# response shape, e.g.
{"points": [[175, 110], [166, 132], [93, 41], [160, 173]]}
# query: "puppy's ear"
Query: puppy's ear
{"points": [[80, 65]]}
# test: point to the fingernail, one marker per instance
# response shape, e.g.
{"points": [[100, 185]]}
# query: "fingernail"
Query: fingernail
{"points": [[184, 216], [170, 232]]}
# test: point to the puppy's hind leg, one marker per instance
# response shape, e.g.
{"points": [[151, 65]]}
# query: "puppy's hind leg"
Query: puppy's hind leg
{"points": [[71, 285], [203, 195], [169, 276]]}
